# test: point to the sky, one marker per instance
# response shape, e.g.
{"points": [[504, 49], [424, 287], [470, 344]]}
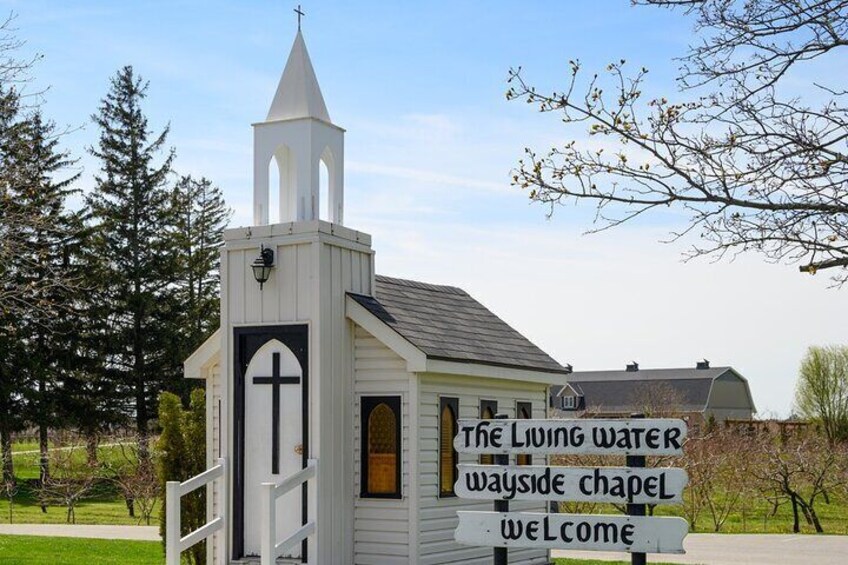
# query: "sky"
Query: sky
{"points": [[430, 143]]}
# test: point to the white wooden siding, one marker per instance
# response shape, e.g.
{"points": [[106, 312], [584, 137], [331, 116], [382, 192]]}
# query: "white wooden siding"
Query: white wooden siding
{"points": [[316, 263], [213, 452], [437, 516], [381, 526]]}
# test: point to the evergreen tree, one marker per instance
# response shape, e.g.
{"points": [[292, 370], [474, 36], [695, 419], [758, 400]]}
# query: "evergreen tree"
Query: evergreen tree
{"points": [[200, 216], [134, 266], [43, 265], [12, 386], [39, 234]]}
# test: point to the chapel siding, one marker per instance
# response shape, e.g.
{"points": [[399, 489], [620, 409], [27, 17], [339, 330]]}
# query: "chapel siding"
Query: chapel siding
{"points": [[213, 401], [381, 526], [437, 516]]}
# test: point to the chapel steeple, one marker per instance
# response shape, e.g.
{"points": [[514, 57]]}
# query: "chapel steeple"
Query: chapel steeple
{"points": [[298, 134]]}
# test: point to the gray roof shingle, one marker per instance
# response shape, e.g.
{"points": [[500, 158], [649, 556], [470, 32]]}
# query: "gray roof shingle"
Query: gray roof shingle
{"points": [[621, 391], [445, 322]]}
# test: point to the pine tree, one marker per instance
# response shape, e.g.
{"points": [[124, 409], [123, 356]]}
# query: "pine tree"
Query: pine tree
{"points": [[135, 265], [40, 233], [43, 265], [12, 386], [200, 216]]}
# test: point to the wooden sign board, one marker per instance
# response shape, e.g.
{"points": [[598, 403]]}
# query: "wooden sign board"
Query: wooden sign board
{"points": [[587, 437], [635, 534], [620, 485]]}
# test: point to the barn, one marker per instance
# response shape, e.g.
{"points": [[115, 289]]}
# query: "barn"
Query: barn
{"points": [[699, 393]]}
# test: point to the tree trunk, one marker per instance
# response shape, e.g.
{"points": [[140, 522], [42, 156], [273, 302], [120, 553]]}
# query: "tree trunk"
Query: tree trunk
{"points": [[91, 443], [8, 464], [796, 526], [44, 459], [806, 512], [814, 518], [141, 416], [128, 500]]}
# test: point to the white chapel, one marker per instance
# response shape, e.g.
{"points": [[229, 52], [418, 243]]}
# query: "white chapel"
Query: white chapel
{"points": [[333, 393]]}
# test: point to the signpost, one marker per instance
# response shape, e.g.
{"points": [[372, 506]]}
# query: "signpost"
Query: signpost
{"points": [[633, 485]]}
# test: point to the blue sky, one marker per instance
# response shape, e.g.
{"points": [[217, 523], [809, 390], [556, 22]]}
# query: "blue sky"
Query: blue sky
{"points": [[430, 141]]}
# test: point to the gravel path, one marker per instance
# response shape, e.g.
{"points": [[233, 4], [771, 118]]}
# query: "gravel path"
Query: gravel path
{"points": [[143, 533]]}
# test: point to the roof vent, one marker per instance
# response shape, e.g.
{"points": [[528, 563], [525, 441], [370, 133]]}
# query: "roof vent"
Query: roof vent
{"points": [[702, 364], [632, 367]]}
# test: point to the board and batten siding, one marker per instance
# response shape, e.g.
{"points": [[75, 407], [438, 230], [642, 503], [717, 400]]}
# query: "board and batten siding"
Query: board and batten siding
{"points": [[316, 263], [437, 518], [381, 526], [213, 452]]}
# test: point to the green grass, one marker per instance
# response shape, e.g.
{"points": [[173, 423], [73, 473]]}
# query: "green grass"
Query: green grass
{"points": [[106, 506], [32, 550], [26, 446], [26, 464]]}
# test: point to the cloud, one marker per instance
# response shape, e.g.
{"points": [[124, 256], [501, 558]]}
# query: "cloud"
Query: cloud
{"points": [[424, 176]]}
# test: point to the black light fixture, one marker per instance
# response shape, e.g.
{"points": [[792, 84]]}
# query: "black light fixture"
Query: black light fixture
{"points": [[262, 265]]}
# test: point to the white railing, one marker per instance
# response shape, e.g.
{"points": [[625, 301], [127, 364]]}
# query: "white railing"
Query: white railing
{"points": [[174, 490], [270, 549]]}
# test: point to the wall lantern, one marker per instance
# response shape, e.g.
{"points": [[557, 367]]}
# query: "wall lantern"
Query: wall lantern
{"points": [[262, 265]]}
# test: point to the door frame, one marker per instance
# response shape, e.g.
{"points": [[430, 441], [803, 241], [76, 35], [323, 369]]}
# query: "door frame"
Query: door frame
{"points": [[247, 340]]}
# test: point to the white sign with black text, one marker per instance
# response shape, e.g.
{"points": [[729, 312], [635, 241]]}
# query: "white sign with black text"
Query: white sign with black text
{"points": [[620, 485], [560, 437], [635, 534]]}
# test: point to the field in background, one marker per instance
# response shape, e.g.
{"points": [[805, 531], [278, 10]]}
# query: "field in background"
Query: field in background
{"points": [[108, 507], [105, 506]]}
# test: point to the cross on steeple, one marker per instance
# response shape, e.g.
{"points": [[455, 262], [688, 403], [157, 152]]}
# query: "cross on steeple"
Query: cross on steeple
{"points": [[300, 13], [275, 380]]}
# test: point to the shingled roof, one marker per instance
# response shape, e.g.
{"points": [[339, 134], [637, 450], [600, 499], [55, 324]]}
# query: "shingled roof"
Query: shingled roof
{"points": [[621, 391], [446, 323]]}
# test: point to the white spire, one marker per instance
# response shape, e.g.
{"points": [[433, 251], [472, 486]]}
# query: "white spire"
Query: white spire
{"points": [[298, 94]]}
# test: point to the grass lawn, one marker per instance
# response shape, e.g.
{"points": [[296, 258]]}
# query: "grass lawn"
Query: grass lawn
{"points": [[32, 550], [105, 506], [26, 463]]}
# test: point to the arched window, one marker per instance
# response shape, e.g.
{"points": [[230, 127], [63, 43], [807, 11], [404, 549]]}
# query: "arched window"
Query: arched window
{"points": [[381, 447], [488, 408], [448, 411], [523, 411]]}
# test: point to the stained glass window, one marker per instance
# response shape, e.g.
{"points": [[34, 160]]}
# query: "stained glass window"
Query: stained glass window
{"points": [[447, 454], [381, 447]]}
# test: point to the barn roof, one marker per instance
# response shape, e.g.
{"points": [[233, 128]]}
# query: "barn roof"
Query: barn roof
{"points": [[446, 323], [623, 391]]}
